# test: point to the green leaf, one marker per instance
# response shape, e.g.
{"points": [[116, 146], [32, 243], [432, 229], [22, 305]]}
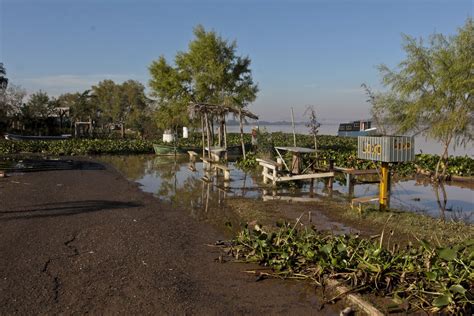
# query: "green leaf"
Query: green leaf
{"points": [[326, 249], [442, 300], [448, 254], [431, 276], [457, 288], [341, 247]]}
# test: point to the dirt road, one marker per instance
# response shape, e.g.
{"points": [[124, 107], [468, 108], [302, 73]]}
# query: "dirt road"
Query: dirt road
{"points": [[89, 241]]}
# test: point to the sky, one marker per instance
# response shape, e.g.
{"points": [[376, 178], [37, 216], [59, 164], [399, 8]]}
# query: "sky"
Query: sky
{"points": [[303, 52]]}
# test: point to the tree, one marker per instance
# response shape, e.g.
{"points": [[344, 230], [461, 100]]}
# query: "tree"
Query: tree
{"points": [[121, 104], [136, 104], [209, 72], [11, 102], [80, 106], [3, 78], [431, 91], [37, 110], [313, 125]]}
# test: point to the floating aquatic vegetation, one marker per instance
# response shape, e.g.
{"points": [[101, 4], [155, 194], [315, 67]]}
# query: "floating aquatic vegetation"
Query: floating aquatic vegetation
{"points": [[421, 276]]}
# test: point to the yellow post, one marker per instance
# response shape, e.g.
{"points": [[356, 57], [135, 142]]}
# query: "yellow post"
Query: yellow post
{"points": [[384, 184]]}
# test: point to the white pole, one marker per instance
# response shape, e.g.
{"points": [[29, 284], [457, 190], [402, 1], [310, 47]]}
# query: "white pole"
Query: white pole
{"points": [[293, 124]]}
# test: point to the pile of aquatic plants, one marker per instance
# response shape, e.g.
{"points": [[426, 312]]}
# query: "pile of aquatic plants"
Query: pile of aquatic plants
{"points": [[73, 147], [422, 276], [247, 163]]}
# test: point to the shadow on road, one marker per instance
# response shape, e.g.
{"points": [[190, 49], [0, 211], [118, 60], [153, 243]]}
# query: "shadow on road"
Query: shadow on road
{"points": [[65, 209], [32, 165]]}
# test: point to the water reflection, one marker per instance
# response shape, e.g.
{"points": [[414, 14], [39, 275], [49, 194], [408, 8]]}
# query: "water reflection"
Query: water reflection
{"points": [[203, 193]]}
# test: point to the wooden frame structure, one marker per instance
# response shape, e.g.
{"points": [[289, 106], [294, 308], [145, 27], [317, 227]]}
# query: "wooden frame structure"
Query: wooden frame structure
{"points": [[207, 112]]}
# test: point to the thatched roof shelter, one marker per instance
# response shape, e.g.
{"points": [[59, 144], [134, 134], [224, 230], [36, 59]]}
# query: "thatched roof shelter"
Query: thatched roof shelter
{"points": [[204, 110]]}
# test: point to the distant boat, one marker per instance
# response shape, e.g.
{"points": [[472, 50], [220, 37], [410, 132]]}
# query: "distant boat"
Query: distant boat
{"points": [[356, 128], [23, 137]]}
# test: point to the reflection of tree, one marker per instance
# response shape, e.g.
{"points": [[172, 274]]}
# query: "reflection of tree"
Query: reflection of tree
{"points": [[133, 167], [441, 200], [167, 173]]}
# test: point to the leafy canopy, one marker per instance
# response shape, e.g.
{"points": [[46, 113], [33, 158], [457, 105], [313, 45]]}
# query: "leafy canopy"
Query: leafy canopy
{"points": [[120, 103], [210, 72], [431, 91]]}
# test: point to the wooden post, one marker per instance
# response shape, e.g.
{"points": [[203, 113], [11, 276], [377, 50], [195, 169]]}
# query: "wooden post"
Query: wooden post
{"points": [[219, 135], [384, 183], [264, 172], [296, 163], [225, 137], [208, 135], [293, 124], [331, 169], [348, 180], [203, 141], [242, 133]]}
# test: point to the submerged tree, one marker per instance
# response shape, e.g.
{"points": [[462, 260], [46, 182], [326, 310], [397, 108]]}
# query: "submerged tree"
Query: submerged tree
{"points": [[209, 72], [431, 91], [313, 125]]}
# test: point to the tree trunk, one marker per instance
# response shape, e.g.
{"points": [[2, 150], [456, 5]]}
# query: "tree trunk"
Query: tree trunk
{"points": [[442, 158], [203, 140], [242, 133], [225, 137], [211, 127], [208, 132], [441, 204]]}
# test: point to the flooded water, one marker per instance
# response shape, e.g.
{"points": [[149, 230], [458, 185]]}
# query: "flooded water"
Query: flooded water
{"points": [[203, 194]]}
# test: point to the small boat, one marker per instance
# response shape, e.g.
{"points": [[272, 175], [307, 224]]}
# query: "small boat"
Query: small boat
{"points": [[22, 137], [356, 128]]}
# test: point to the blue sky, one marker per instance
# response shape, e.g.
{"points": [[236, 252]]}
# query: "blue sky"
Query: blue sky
{"points": [[303, 52]]}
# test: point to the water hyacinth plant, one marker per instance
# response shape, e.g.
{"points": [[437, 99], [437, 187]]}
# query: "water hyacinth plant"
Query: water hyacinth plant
{"points": [[422, 276]]}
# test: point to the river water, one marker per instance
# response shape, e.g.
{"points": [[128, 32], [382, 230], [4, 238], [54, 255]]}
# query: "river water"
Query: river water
{"points": [[422, 144], [171, 180]]}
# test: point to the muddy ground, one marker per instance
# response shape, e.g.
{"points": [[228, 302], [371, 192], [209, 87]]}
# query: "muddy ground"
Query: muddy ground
{"points": [[89, 241]]}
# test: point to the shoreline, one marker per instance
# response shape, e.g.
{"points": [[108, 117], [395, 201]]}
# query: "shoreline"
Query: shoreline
{"points": [[80, 241]]}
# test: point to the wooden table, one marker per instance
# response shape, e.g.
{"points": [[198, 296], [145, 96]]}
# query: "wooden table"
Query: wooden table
{"points": [[296, 159], [216, 152]]}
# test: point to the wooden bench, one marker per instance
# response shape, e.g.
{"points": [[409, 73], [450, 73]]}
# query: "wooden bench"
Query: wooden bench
{"points": [[224, 169], [267, 166], [352, 173], [361, 200], [206, 160], [192, 160], [192, 156]]}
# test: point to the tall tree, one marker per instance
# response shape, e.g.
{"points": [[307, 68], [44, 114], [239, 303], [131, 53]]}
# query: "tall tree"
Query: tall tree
{"points": [[37, 110], [431, 91], [209, 72], [136, 105], [81, 105], [122, 104]]}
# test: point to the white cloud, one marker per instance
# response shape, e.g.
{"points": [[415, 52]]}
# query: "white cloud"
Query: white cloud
{"points": [[57, 84]]}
